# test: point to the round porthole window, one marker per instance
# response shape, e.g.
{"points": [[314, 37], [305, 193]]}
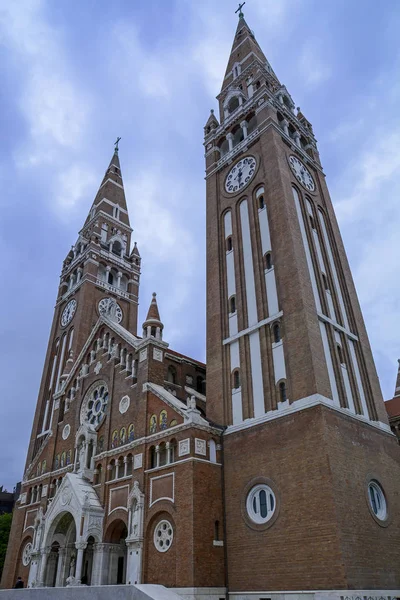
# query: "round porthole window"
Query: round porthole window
{"points": [[261, 504], [163, 536], [377, 500]]}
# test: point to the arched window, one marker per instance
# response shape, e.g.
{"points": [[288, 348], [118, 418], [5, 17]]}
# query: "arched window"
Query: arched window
{"points": [[233, 104], [236, 379], [312, 222], [325, 282], [216, 530], [201, 384], [232, 304], [153, 331], [277, 332], [172, 451], [238, 135], [162, 454], [261, 204], [282, 391], [117, 248], [340, 354], [171, 375], [223, 147], [268, 261], [153, 458], [229, 243], [129, 465], [112, 470]]}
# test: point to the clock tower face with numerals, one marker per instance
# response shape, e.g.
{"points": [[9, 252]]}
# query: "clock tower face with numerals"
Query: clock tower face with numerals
{"points": [[240, 174]]}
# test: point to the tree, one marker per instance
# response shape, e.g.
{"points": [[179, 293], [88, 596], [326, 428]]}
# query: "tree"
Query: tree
{"points": [[5, 526]]}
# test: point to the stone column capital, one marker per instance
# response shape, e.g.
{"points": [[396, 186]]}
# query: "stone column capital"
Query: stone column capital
{"points": [[80, 545]]}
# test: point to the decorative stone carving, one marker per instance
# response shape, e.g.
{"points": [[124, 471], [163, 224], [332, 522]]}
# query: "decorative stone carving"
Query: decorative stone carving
{"points": [[157, 354], [184, 447], [124, 404], [66, 496], [66, 431], [44, 490], [200, 447], [98, 367], [143, 355]]}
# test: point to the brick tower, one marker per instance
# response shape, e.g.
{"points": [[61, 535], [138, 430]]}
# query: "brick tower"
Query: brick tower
{"points": [[311, 468], [98, 271]]}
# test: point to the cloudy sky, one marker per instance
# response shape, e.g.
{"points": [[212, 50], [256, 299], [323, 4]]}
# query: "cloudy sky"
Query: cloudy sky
{"points": [[75, 75]]}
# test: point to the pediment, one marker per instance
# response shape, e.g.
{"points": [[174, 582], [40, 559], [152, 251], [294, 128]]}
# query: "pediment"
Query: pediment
{"points": [[122, 337], [77, 497]]}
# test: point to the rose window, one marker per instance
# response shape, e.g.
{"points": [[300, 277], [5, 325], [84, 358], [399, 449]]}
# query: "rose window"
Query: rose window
{"points": [[163, 536], [94, 406]]}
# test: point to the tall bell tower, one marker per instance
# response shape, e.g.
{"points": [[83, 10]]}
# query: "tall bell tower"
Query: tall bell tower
{"points": [[311, 467], [100, 272]]}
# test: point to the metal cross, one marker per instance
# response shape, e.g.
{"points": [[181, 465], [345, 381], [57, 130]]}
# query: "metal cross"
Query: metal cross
{"points": [[239, 10], [116, 144]]}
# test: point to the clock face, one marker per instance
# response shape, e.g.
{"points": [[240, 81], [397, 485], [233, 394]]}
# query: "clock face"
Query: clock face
{"points": [[302, 174], [110, 308], [68, 313], [240, 174]]}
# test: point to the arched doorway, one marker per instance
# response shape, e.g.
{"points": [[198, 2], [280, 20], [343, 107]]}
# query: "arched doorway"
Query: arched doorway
{"points": [[62, 558], [116, 535]]}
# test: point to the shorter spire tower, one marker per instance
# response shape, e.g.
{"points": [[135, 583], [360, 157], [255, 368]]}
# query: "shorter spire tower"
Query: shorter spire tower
{"points": [[153, 326]]}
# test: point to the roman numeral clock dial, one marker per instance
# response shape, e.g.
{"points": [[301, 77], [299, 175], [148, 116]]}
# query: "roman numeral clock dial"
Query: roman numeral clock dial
{"points": [[302, 174], [240, 174]]}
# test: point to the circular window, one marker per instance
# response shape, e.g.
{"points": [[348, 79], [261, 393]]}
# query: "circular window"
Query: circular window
{"points": [[163, 536], [26, 554], [260, 504], [95, 403], [377, 500]]}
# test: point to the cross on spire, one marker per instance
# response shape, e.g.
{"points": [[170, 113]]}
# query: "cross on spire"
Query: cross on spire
{"points": [[116, 144], [239, 10]]}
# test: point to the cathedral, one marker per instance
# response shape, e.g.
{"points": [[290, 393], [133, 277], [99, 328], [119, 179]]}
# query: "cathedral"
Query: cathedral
{"points": [[279, 477]]}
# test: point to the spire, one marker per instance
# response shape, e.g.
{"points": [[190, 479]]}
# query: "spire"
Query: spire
{"points": [[245, 49], [397, 389], [111, 194], [153, 327]]}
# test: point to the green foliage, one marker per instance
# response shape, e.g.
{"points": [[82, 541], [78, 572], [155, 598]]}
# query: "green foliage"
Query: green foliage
{"points": [[5, 526]]}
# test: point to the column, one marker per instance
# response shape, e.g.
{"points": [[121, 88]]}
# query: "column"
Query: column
{"points": [[157, 456], [280, 98], [62, 553], [125, 466], [243, 125], [109, 469], [79, 274], [119, 274], [80, 546], [229, 137], [285, 126], [43, 565], [168, 447], [134, 563], [296, 137], [108, 269]]}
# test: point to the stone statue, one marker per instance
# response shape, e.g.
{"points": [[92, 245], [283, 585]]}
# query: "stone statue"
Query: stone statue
{"points": [[72, 568]]}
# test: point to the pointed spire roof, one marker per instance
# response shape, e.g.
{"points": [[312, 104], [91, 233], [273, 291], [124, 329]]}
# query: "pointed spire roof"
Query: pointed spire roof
{"points": [[244, 45], [153, 313], [112, 190], [153, 321]]}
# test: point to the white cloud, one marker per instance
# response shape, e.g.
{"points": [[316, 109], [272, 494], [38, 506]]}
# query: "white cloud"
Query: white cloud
{"points": [[54, 107]]}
